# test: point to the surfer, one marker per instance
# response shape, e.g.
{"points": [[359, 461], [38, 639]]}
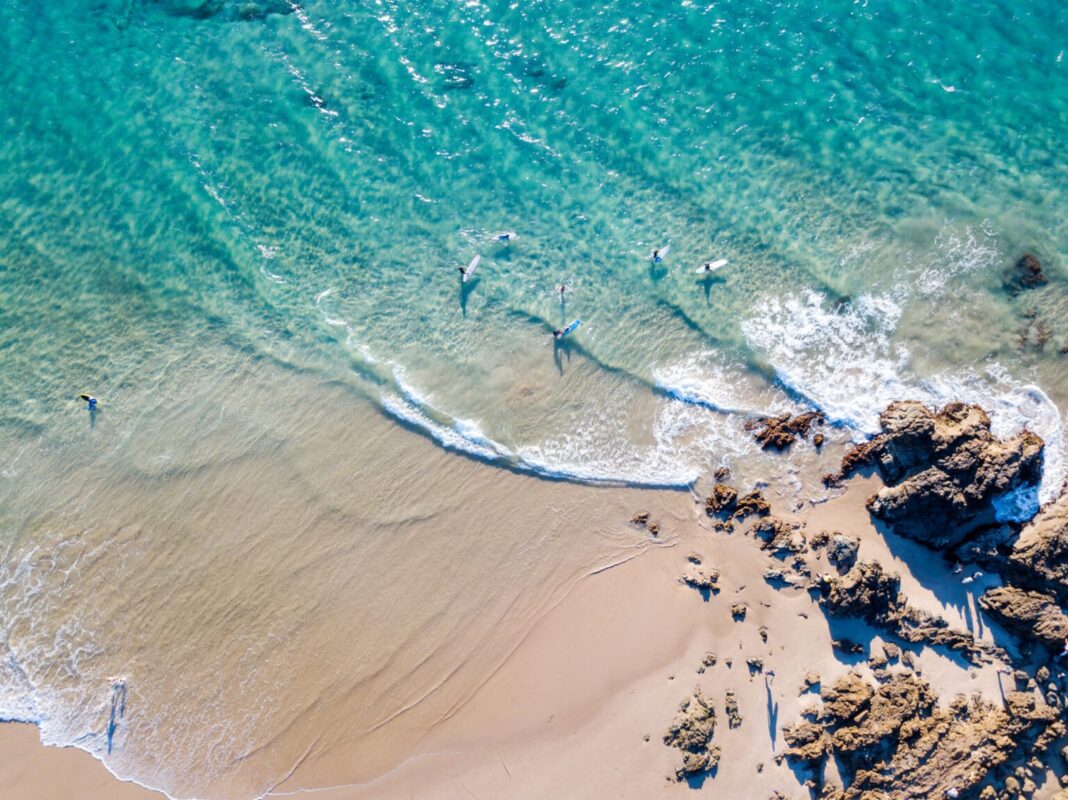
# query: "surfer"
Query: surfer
{"points": [[561, 289], [558, 333], [463, 271], [507, 236], [656, 257], [90, 400]]}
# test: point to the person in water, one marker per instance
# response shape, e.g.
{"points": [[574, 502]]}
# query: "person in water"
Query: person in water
{"points": [[656, 256], [558, 333], [90, 400], [463, 271]]}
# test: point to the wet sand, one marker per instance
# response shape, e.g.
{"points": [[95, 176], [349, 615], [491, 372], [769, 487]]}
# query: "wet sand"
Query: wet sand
{"points": [[568, 689]]}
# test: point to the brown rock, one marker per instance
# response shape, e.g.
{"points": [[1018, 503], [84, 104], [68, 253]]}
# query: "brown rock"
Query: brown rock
{"points": [[780, 537], [722, 500], [943, 470], [780, 432], [896, 741], [842, 551], [734, 716], [1034, 616], [691, 733], [1039, 558], [749, 505], [1026, 274]]}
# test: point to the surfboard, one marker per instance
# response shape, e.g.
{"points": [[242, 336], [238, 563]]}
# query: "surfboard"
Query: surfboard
{"points": [[663, 251], [713, 266], [471, 267], [569, 329]]}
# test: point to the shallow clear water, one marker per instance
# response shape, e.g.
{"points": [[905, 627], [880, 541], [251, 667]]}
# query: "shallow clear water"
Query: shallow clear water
{"points": [[191, 186]]}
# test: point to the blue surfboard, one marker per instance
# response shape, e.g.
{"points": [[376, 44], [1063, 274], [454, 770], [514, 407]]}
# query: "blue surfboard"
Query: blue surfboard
{"points": [[569, 329]]}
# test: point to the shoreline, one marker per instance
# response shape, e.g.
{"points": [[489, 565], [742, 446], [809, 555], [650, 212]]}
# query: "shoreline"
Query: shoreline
{"points": [[580, 700]]}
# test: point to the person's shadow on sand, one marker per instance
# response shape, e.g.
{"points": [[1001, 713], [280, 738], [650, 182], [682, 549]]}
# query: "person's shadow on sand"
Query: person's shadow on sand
{"points": [[773, 712]]}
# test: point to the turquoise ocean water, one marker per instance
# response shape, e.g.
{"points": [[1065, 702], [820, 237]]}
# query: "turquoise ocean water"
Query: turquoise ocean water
{"points": [[190, 185]]}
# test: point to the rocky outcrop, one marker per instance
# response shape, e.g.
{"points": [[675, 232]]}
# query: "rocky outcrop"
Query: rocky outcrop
{"points": [[723, 499], [778, 433], [1034, 616], [866, 591], [1026, 274], [691, 733], [781, 538], [842, 550], [943, 470], [895, 740], [1039, 558]]}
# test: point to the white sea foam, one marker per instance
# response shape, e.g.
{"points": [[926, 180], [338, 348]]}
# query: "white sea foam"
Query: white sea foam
{"points": [[703, 379], [845, 362]]}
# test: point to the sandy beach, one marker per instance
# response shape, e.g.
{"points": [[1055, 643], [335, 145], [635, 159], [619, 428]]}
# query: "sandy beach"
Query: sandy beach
{"points": [[577, 703]]}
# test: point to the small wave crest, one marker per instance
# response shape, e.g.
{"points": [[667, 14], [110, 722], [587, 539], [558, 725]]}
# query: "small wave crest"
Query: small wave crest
{"points": [[844, 360]]}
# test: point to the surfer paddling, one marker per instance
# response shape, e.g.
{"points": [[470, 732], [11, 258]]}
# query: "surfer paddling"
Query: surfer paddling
{"points": [[469, 270], [711, 266], [559, 333]]}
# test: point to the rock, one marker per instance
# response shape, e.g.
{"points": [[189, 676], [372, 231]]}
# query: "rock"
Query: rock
{"points": [[807, 742], [755, 664], [781, 538], [691, 733], [723, 500], [749, 505], [763, 631], [866, 591], [704, 579], [780, 432], [943, 470], [820, 539], [722, 473], [734, 717], [1025, 274], [847, 646], [842, 551], [1039, 558], [896, 740], [845, 698], [738, 611], [1034, 616], [818, 440], [811, 682], [891, 651], [641, 519]]}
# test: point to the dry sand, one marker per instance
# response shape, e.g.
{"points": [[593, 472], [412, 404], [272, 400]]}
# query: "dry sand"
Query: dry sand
{"points": [[579, 707]]}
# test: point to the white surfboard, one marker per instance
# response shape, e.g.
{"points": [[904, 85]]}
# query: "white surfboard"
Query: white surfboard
{"points": [[661, 252], [471, 267], [722, 262]]}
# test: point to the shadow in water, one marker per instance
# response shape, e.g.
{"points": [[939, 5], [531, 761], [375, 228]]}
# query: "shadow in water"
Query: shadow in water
{"points": [[465, 292], [706, 282], [560, 352]]}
